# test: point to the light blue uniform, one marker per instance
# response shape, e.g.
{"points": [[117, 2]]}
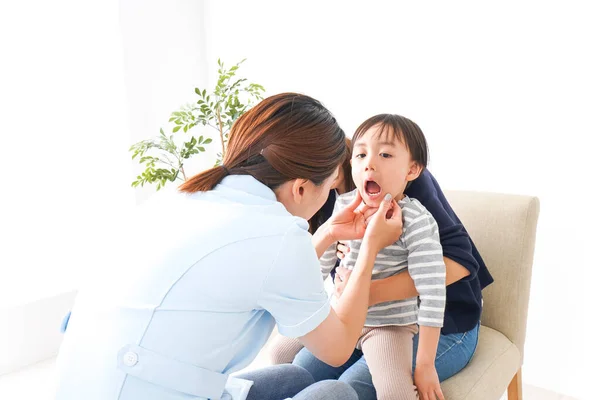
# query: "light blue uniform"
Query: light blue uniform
{"points": [[195, 296]]}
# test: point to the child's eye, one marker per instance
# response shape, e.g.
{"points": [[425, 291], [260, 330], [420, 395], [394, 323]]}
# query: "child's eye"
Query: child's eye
{"points": [[385, 155], [360, 155]]}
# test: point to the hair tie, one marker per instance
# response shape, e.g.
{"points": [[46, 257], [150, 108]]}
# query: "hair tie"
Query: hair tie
{"points": [[225, 169]]}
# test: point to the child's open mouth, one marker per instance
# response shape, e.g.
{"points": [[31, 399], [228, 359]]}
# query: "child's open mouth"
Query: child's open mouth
{"points": [[372, 189]]}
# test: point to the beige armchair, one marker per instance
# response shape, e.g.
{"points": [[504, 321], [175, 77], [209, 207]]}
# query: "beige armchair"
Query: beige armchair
{"points": [[503, 228]]}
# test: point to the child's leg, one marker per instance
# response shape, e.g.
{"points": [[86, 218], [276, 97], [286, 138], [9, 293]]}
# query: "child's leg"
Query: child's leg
{"points": [[388, 352], [282, 350]]}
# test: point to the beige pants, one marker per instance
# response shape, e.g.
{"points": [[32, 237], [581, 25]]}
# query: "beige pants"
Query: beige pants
{"points": [[387, 350]]}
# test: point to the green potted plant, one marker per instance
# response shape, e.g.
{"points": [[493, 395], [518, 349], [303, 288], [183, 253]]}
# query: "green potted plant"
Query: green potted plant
{"points": [[165, 156]]}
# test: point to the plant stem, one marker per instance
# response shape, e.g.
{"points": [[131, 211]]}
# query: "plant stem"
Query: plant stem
{"points": [[183, 173], [221, 130]]}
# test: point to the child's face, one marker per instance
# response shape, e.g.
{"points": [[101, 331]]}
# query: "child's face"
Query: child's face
{"points": [[381, 164]]}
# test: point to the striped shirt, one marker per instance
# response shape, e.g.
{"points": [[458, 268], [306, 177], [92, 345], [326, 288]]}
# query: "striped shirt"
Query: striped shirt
{"points": [[418, 250]]}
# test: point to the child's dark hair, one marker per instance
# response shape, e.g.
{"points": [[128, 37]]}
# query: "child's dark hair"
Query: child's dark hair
{"points": [[403, 129], [325, 212]]}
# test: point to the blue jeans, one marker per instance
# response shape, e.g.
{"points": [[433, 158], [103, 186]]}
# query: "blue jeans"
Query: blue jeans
{"points": [[453, 354], [284, 381]]}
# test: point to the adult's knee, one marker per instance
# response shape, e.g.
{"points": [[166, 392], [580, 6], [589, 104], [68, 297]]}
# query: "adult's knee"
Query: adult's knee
{"points": [[328, 390], [277, 381]]}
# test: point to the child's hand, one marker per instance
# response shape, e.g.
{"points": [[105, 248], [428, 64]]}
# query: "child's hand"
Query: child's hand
{"points": [[427, 382], [341, 278], [342, 250]]}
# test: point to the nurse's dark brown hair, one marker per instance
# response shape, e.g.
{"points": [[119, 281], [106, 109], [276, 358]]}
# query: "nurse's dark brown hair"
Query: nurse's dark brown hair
{"points": [[284, 137]]}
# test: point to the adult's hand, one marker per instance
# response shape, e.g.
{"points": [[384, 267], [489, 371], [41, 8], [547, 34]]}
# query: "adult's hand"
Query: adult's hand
{"points": [[385, 226], [350, 223]]}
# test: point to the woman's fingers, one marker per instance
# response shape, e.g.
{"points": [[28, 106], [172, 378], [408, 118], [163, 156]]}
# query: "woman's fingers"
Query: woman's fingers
{"points": [[439, 394], [369, 212], [340, 255], [397, 214], [356, 202], [383, 207]]}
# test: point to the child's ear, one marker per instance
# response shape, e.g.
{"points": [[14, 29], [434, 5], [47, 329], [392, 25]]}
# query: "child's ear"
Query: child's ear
{"points": [[414, 171]]}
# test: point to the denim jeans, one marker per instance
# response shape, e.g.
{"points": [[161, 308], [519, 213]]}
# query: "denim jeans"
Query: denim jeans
{"points": [[453, 354], [285, 381]]}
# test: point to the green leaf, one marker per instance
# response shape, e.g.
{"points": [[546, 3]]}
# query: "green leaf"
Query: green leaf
{"points": [[177, 128], [197, 91], [201, 149], [185, 128], [207, 141]]}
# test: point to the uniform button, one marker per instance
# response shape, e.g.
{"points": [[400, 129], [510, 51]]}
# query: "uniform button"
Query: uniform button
{"points": [[130, 359]]}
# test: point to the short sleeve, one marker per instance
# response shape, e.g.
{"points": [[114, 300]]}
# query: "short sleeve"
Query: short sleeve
{"points": [[293, 290]]}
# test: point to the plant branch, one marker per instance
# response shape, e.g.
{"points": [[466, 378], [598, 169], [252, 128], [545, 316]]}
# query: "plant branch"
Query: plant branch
{"points": [[182, 172], [221, 130]]}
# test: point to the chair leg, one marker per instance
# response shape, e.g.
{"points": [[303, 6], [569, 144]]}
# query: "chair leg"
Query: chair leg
{"points": [[515, 389]]}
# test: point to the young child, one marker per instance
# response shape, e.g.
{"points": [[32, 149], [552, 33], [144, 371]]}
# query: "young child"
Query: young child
{"points": [[390, 151]]}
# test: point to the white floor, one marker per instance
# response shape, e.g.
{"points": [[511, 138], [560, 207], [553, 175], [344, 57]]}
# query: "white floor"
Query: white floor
{"points": [[35, 383]]}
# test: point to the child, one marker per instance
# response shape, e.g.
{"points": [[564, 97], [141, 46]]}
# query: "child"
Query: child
{"points": [[390, 151]]}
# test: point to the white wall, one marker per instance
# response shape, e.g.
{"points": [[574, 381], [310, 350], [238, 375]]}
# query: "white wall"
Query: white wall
{"points": [[64, 142], [80, 83], [64, 162], [508, 96], [165, 59], [31, 332]]}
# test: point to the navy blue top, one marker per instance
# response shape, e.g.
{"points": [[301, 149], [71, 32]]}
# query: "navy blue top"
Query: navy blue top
{"points": [[463, 298]]}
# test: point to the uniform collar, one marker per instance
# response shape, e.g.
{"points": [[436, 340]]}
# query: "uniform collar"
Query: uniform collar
{"points": [[247, 184]]}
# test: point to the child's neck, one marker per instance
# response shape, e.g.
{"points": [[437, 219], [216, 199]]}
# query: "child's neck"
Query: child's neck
{"points": [[401, 195]]}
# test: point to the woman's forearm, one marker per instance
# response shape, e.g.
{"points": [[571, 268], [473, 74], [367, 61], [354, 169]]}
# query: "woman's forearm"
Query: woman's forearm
{"points": [[335, 339], [353, 304], [322, 239], [402, 287]]}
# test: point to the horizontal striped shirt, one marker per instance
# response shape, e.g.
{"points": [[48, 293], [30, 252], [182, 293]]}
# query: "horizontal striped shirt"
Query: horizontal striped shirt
{"points": [[418, 250]]}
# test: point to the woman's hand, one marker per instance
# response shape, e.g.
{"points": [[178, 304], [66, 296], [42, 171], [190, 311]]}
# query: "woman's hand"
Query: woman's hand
{"points": [[349, 223], [427, 382], [385, 226]]}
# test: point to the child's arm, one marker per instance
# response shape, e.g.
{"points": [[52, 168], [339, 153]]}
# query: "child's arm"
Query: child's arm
{"points": [[426, 268], [428, 271], [328, 260]]}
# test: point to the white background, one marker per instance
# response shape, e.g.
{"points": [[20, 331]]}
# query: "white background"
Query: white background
{"points": [[506, 93]]}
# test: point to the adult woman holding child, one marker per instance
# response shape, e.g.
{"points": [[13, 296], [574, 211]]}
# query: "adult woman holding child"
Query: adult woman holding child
{"points": [[466, 276]]}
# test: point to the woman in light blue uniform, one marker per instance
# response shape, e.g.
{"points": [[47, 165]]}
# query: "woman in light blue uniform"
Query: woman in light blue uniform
{"points": [[198, 293]]}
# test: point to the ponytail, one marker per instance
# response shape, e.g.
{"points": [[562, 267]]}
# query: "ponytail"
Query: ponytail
{"points": [[284, 137], [205, 181]]}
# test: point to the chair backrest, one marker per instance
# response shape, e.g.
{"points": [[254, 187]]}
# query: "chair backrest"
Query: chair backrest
{"points": [[503, 228]]}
